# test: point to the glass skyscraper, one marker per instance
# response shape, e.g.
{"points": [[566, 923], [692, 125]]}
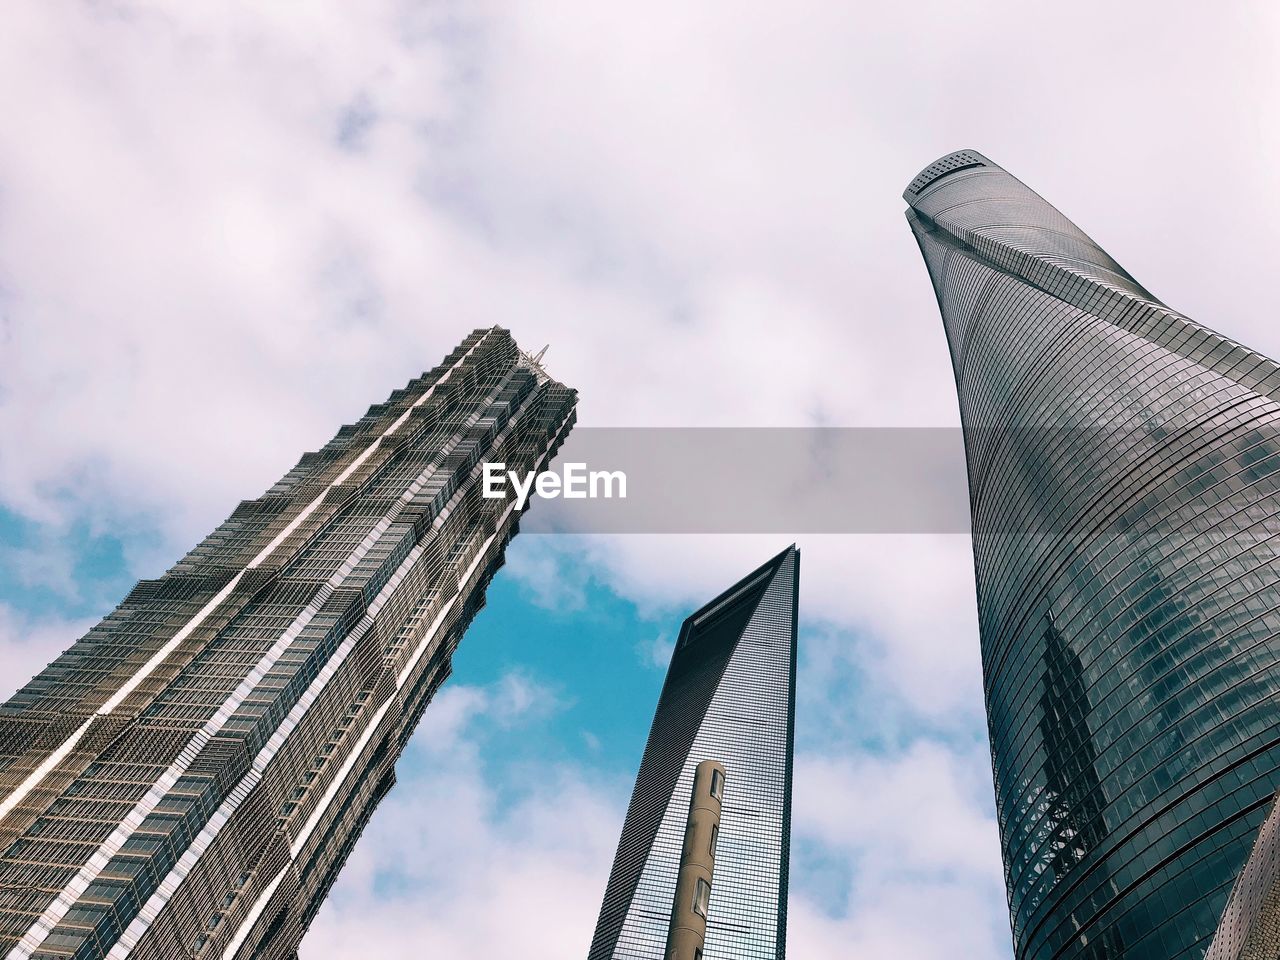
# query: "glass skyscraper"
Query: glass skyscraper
{"points": [[729, 696], [1123, 475], [188, 778]]}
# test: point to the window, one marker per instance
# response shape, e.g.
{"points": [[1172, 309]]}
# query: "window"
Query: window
{"points": [[701, 898], [717, 784], [715, 833]]}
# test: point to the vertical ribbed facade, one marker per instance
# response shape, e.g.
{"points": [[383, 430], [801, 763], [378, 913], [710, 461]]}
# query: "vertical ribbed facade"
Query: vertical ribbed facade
{"points": [[1123, 475], [188, 778], [729, 696]]}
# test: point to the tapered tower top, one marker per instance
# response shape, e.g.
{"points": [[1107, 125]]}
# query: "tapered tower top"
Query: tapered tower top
{"points": [[943, 167]]}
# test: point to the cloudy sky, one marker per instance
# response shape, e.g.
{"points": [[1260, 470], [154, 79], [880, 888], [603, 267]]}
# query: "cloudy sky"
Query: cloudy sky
{"points": [[226, 228]]}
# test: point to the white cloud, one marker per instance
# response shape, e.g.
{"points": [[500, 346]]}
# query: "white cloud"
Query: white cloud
{"points": [[657, 652], [907, 921], [452, 710], [518, 697], [48, 564], [515, 699], [28, 644], [921, 812], [547, 583]]}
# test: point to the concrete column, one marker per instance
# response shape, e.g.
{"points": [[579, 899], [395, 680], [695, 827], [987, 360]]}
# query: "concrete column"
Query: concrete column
{"points": [[688, 930]]}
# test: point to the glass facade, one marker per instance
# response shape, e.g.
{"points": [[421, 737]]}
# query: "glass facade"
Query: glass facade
{"points": [[1123, 471], [729, 696], [187, 779]]}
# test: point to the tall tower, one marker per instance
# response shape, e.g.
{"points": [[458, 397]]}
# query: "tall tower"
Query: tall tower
{"points": [[729, 697], [1123, 480], [187, 779]]}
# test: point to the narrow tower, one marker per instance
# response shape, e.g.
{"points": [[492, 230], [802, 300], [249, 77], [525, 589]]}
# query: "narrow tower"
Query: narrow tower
{"points": [[188, 778], [724, 723], [1124, 478], [687, 934]]}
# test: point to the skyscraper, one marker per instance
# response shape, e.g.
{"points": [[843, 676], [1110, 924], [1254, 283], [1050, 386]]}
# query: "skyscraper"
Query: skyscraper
{"points": [[188, 778], [1126, 502], [729, 697]]}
